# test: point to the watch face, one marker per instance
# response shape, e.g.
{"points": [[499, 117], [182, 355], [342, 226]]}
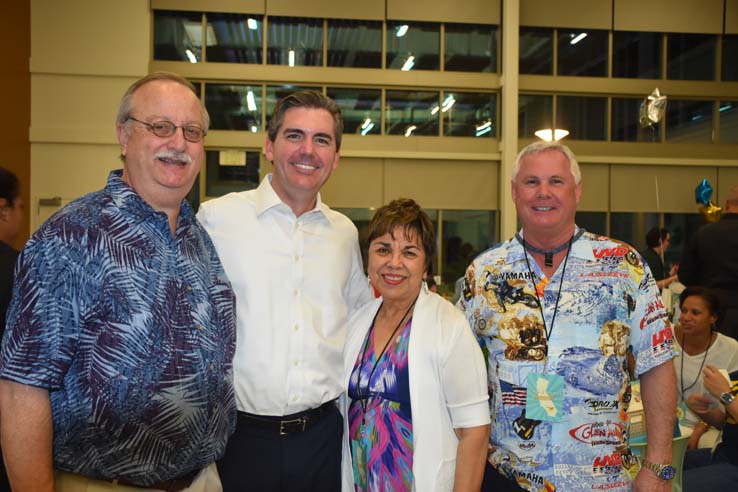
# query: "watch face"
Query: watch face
{"points": [[726, 398], [668, 472]]}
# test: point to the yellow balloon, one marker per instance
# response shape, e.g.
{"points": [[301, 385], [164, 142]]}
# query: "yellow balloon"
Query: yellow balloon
{"points": [[711, 212]]}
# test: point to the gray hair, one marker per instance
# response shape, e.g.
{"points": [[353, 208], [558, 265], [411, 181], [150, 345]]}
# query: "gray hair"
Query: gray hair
{"points": [[538, 147], [125, 108]]}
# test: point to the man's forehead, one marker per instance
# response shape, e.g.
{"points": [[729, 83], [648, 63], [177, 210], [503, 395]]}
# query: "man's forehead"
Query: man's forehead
{"points": [[309, 120], [546, 163]]}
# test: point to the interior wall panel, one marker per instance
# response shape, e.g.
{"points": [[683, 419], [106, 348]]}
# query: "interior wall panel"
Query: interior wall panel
{"points": [[443, 184], [727, 180], [731, 16], [229, 6], [595, 189], [585, 14], [656, 188], [356, 183], [687, 16], [332, 9]]}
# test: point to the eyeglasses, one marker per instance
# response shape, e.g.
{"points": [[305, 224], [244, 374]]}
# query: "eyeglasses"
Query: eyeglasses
{"points": [[164, 129]]}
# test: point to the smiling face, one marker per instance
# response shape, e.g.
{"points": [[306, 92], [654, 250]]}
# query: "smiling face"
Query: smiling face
{"points": [[695, 317], [396, 265], [161, 169], [304, 155], [545, 195]]}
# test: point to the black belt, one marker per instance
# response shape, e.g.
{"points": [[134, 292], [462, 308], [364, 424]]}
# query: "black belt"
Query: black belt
{"points": [[173, 485], [288, 424]]}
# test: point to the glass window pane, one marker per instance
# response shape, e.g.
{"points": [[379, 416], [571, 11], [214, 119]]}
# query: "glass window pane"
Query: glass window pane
{"points": [[690, 56], [276, 92], [466, 233], [471, 48], [234, 107], [636, 55], [361, 109], [626, 126], [583, 117], [353, 43], [412, 113], [231, 170], [729, 122], [469, 114], [413, 45], [177, 36], [535, 112], [632, 227], [688, 121], [681, 227], [594, 222], [536, 51], [295, 41], [237, 38], [582, 53], [730, 57]]}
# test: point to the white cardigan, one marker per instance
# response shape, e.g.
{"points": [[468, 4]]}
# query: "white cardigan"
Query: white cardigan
{"points": [[448, 387]]}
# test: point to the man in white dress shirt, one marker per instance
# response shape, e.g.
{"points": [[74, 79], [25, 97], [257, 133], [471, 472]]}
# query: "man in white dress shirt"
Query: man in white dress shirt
{"points": [[295, 266]]}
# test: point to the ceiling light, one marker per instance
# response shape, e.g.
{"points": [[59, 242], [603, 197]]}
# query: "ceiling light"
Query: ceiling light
{"points": [[191, 56], [366, 123], [435, 109], [408, 63], [291, 58], [578, 38], [252, 24], [486, 124], [726, 107], [367, 129], [400, 31], [482, 131], [448, 103], [253, 128], [550, 135], [250, 102], [410, 130]]}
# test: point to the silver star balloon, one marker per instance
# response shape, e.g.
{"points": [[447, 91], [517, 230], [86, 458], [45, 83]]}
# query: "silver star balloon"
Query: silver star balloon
{"points": [[652, 108]]}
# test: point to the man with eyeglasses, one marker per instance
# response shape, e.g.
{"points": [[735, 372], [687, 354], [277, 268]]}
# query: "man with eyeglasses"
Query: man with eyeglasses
{"points": [[296, 269], [116, 368]]}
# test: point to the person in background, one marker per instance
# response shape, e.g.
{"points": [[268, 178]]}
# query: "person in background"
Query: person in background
{"points": [[558, 310], [115, 372], [416, 407], [11, 217], [698, 344], [297, 272], [710, 260], [658, 240]]}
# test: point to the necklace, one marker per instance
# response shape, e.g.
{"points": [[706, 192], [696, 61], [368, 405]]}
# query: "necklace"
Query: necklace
{"points": [[548, 255], [699, 371], [364, 397]]}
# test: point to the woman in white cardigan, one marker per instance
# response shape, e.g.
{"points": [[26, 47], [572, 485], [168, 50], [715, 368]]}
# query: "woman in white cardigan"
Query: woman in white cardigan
{"points": [[416, 416]]}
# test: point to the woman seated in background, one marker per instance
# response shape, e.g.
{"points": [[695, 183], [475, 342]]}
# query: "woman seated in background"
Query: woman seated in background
{"points": [[417, 416], [698, 344]]}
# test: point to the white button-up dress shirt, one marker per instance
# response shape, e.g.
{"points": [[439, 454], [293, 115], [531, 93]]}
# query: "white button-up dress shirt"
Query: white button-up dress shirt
{"points": [[296, 280]]}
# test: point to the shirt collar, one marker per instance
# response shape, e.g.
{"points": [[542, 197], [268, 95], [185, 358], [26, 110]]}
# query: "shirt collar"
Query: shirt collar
{"points": [[126, 199], [581, 248], [267, 198]]}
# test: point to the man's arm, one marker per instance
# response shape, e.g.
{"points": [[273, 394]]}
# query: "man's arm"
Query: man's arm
{"points": [[26, 436], [658, 392]]}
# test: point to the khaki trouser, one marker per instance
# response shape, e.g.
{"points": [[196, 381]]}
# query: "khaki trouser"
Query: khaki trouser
{"points": [[207, 481]]}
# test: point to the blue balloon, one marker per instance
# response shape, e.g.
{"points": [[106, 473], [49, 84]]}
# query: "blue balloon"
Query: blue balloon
{"points": [[703, 192]]}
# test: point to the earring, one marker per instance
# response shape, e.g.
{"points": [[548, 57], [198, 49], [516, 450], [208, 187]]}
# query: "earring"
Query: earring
{"points": [[425, 286], [369, 279]]}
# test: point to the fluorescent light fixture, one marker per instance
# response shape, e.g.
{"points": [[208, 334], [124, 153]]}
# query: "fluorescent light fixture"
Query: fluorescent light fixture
{"points": [[400, 31], [551, 135], [366, 123], [482, 131], [408, 63], [252, 24], [448, 103], [367, 129], [696, 117], [191, 56], [486, 124], [250, 102], [291, 58], [578, 38], [726, 107], [253, 129], [435, 109], [410, 130]]}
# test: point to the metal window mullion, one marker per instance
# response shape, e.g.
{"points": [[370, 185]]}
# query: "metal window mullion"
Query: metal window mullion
{"points": [[204, 22]]}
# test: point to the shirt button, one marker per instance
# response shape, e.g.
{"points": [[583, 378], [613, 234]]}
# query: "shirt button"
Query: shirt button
{"points": [[295, 398], [200, 327], [212, 366], [188, 287], [297, 292], [297, 327], [296, 363], [297, 258]]}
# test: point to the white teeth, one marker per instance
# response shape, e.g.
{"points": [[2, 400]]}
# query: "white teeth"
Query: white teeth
{"points": [[305, 167], [543, 209]]}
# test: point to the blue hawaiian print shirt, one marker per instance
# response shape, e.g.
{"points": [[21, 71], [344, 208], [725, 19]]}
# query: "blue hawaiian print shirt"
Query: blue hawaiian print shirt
{"points": [[573, 437], [132, 331]]}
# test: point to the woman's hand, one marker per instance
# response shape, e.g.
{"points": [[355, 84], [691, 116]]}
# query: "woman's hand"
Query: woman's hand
{"points": [[715, 382], [699, 404]]}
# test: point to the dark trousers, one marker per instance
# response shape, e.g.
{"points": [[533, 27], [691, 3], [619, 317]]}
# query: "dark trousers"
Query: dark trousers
{"points": [[258, 459], [494, 482]]}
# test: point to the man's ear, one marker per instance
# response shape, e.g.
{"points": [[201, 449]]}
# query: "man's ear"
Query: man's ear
{"points": [[122, 138], [4, 208]]}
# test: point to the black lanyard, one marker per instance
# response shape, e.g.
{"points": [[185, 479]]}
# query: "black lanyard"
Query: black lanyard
{"points": [[363, 398]]}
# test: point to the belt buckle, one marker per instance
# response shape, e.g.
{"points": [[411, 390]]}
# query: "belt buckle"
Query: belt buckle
{"points": [[286, 426]]}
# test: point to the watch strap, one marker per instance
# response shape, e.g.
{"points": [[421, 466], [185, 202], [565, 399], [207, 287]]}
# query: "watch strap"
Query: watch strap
{"points": [[664, 472]]}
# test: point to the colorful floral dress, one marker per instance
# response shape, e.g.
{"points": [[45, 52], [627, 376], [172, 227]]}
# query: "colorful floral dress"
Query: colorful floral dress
{"points": [[380, 425]]}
